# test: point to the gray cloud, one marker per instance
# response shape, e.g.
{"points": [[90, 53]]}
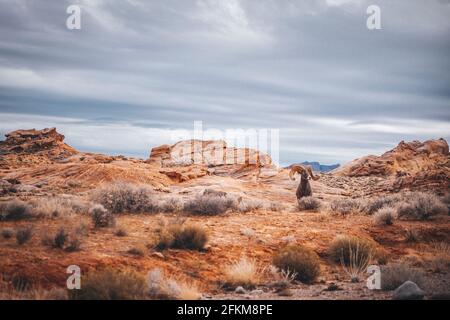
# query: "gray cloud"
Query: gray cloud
{"points": [[311, 68]]}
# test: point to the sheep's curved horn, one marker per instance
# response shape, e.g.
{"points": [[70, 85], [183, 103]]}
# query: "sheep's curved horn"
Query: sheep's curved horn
{"points": [[301, 169], [296, 169]]}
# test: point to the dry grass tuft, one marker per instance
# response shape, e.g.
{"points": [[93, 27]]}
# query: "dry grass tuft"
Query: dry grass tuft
{"points": [[161, 287], [182, 236], [384, 217], [109, 284], [344, 248], [308, 203], [244, 272]]}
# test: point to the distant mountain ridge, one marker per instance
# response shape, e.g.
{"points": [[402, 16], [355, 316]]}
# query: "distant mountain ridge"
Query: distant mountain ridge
{"points": [[316, 166]]}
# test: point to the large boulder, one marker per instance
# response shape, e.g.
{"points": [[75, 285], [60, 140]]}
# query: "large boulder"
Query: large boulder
{"points": [[408, 291]]}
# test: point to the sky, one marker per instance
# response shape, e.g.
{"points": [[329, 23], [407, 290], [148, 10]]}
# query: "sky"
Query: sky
{"points": [[137, 70]]}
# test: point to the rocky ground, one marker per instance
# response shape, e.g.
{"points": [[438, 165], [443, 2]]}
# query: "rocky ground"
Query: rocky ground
{"points": [[37, 164]]}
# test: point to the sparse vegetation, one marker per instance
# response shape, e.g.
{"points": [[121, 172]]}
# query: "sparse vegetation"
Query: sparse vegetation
{"points": [[15, 210], [299, 259], [384, 216], [123, 197], [109, 284], [136, 251], [244, 272], [411, 235], [421, 206], [351, 250], [249, 205], [23, 235], [392, 276], [344, 206], [171, 205], [62, 240], [101, 217], [161, 287], [182, 236], [121, 232], [209, 205], [7, 233], [74, 244], [308, 203]]}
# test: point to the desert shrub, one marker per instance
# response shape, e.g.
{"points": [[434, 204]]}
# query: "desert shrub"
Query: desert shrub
{"points": [[60, 238], [371, 206], [351, 250], [212, 192], [82, 229], [161, 287], [384, 216], [109, 284], [393, 276], [121, 232], [344, 206], [136, 251], [275, 206], [308, 203], [124, 197], [421, 206], [298, 259], [101, 217], [182, 236], [170, 205], [7, 233], [15, 210], [23, 235], [411, 235], [282, 278], [249, 205], [74, 244], [244, 272], [209, 205], [21, 282]]}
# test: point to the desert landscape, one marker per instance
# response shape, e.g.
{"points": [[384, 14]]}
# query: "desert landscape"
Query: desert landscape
{"points": [[222, 228]]}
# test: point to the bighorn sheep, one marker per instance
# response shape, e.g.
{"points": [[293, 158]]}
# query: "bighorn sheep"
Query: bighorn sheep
{"points": [[304, 187]]}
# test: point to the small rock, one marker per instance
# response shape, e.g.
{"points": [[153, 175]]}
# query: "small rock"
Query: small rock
{"points": [[257, 291], [332, 287], [158, 254], [408, 291], [285, 292], [240, 290]]}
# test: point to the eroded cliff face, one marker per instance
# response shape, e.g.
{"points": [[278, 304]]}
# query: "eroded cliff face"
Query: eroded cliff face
{"points": [[410, 165], [47, 141], [207, 153]]}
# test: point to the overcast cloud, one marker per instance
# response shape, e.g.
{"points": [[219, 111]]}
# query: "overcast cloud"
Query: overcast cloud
{"points": [[311, 68]]}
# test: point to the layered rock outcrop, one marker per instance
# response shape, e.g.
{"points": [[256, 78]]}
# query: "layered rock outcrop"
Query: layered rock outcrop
{"points": [[207, 153], [411, 164], [34, 141]]}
